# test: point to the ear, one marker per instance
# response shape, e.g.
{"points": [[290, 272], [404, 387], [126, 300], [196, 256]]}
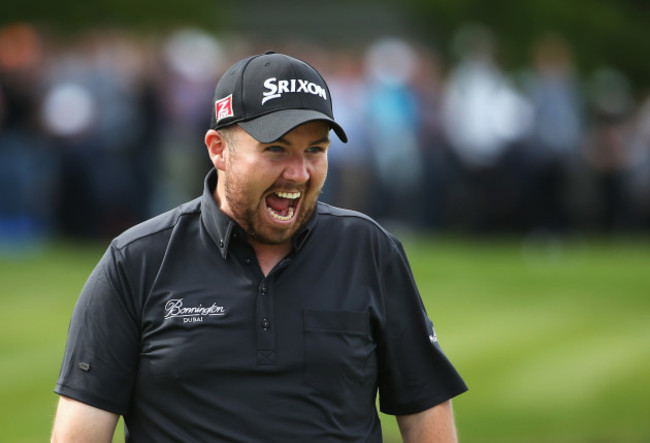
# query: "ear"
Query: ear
{"points": [[216, 145]]}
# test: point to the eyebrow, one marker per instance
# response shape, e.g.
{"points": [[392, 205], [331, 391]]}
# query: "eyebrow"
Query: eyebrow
{"points": [[325, 139]]}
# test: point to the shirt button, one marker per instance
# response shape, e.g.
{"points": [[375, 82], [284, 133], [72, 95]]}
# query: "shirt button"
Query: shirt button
{"points": [[248, 261], [266, 324]]}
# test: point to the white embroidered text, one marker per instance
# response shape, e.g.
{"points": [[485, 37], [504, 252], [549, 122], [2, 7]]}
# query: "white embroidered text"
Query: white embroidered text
{"points": [[175, 308], [278, 87]]}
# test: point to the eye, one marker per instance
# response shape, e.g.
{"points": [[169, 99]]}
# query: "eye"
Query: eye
{"points": [[274, 149], [316, 150]]}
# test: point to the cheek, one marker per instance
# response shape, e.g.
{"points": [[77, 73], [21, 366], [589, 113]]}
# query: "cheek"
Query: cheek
{"points": [[319, 172], [252, 178]]}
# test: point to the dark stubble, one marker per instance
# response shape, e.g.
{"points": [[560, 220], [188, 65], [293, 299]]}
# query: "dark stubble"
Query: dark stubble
{"points": [[248, 213]]}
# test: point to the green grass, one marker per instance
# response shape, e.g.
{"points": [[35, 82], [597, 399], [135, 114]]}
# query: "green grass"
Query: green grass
{"points": [[553, 338], [37, 294]]}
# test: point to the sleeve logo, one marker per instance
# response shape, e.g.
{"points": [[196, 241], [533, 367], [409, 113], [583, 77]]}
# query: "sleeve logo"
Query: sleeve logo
{"points": [[223, 108], [433, 337]]}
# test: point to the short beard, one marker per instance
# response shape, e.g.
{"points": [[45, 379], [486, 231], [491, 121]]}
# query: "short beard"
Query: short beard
{"points": [[250, 218]]}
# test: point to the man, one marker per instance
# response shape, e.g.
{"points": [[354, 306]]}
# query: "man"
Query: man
{"points": [[255, 312]]}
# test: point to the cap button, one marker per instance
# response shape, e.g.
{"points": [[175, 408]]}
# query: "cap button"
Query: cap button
{"points": [[269, 52]]}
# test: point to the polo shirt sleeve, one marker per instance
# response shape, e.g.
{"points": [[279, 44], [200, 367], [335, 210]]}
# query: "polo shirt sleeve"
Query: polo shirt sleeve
{"points": [[100, 359], [414, 373]]}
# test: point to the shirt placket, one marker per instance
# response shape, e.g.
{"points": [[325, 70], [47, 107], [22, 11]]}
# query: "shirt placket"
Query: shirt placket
{"points": [[266, 335]]}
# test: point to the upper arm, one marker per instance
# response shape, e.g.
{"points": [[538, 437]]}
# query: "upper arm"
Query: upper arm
{"points": [[414, 372], [105, 318], [79, 422], [433, 425]]}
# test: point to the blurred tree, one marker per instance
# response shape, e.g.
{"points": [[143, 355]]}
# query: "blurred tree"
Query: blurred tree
{"points": [[70, 16], [602, 33]]}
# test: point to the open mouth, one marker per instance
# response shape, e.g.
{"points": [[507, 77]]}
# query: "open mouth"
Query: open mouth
{"points": [[281, 206]]}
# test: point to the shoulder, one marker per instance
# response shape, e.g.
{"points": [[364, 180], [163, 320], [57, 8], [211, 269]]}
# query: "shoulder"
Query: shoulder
{"points": [[138, 252], [338, 216], [157, 229], [325, 209], [353, 225]]}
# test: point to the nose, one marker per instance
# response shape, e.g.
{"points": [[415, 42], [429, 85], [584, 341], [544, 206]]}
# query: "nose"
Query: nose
{"points": [[297, 169]]}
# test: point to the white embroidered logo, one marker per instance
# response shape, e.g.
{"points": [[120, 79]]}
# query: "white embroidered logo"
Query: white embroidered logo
{"points": [[278, 87], [174, 308], [433, 338]]}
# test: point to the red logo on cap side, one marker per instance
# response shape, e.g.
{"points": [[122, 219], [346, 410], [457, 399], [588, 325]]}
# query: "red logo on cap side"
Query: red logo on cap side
{"points": [[223, 108]]}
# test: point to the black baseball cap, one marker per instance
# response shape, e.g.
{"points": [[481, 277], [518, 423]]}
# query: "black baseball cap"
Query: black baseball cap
{"points": [[270, 94]]}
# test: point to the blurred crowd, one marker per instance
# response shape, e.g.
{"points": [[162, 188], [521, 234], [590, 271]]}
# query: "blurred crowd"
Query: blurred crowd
{"points": [[104, 129]]}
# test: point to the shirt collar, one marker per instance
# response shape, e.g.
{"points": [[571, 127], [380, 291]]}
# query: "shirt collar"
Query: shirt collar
{"points": [[222, 228]]}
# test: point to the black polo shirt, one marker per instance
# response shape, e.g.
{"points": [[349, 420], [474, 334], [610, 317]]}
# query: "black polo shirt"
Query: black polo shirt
{"points": [[179, 331]]}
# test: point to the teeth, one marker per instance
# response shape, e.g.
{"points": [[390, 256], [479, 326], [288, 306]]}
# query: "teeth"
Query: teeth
{"points": [[281, 217], [289, 195]]}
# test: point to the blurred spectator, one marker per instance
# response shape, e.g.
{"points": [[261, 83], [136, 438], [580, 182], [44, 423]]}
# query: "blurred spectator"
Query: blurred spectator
{"points": [[608, 146], [392, 120], [428, 84], [191, 63], [639, 172], [28, 169], [350, 175], [484, 117], [556, 134], [92, 113]]}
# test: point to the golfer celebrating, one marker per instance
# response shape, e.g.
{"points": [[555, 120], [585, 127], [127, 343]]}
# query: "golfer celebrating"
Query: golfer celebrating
{"points": [[256, 313]]}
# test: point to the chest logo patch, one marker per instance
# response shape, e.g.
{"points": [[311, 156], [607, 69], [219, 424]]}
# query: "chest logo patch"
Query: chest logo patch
{"points": [[175, 308]]}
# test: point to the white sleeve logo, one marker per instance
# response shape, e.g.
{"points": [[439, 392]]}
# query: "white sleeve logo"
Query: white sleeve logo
{"points": [[433, 338]]}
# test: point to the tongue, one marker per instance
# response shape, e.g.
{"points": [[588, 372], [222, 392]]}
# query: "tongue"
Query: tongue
{"points": [[278, 204]]}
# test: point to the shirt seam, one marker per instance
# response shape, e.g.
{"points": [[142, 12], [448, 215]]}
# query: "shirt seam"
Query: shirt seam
{"points": [[176, 219]]}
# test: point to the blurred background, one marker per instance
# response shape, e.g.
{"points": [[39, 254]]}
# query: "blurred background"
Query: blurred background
{"points": [[513, 117], [522, 124]]}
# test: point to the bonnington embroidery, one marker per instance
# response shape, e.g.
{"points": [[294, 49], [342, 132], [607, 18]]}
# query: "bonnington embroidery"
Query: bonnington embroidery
{"points": [[175, 308]]}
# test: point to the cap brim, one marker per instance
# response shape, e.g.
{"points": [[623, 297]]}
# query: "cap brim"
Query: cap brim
{"points": [[270, 127]]}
